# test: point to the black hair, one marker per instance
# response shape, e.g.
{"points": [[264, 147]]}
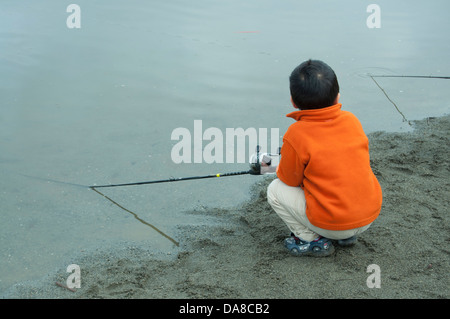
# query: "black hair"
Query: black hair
{"points": [[313, 85]]}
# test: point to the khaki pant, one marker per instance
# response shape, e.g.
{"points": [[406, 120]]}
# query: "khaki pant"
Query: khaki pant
{"points": [[290, 205]]}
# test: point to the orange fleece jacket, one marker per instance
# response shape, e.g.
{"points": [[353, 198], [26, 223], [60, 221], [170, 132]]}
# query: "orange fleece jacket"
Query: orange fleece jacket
{"points": [[326, 153]]}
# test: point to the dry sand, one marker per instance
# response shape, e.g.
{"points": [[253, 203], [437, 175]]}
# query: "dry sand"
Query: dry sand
{"points": [[243, 257]]}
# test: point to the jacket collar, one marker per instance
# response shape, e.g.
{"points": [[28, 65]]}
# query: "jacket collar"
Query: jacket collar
{"points": [[324, 114]]}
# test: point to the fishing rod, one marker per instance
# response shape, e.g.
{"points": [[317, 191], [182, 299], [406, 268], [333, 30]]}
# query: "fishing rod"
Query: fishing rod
{"points": [[177, 179], [259, 164]]}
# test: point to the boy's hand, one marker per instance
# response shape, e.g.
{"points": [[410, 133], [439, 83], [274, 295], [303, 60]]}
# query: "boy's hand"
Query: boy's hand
{"points": [[261, 165]]}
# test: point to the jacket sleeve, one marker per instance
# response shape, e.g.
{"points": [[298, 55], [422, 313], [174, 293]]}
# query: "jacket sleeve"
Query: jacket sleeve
{"points": [[290, 169]]}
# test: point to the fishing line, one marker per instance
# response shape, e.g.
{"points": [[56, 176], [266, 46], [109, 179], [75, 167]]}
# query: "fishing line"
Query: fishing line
{"points": [[393, 103], [53, 181], [403, 76], [136, 216]]}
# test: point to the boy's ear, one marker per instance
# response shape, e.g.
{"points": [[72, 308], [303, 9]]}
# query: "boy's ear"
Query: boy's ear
{"points": [[293, 104], [337, 98]]}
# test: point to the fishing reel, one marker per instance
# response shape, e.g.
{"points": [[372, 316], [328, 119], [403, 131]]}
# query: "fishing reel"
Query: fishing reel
{"points": [[264, 163]]}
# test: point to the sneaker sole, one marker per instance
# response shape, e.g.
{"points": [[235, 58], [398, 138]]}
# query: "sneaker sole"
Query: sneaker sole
{"points": [[310, 253]]}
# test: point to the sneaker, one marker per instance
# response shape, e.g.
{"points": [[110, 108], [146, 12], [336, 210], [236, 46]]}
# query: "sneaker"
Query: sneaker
{"points": [[347, 242], [319, 247]]}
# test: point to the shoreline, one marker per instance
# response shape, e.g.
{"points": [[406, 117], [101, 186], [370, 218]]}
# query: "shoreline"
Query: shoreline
{"points": [[243, 256]]}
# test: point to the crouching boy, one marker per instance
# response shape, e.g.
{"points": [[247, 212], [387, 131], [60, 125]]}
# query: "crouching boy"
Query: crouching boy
{"points": [[325, 189]]}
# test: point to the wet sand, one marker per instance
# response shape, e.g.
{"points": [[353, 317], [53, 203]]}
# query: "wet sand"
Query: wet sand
{"points": [[243, 256]]}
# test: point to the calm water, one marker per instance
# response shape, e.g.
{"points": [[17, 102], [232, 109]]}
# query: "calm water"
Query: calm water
{"points": [[97, 105]]}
